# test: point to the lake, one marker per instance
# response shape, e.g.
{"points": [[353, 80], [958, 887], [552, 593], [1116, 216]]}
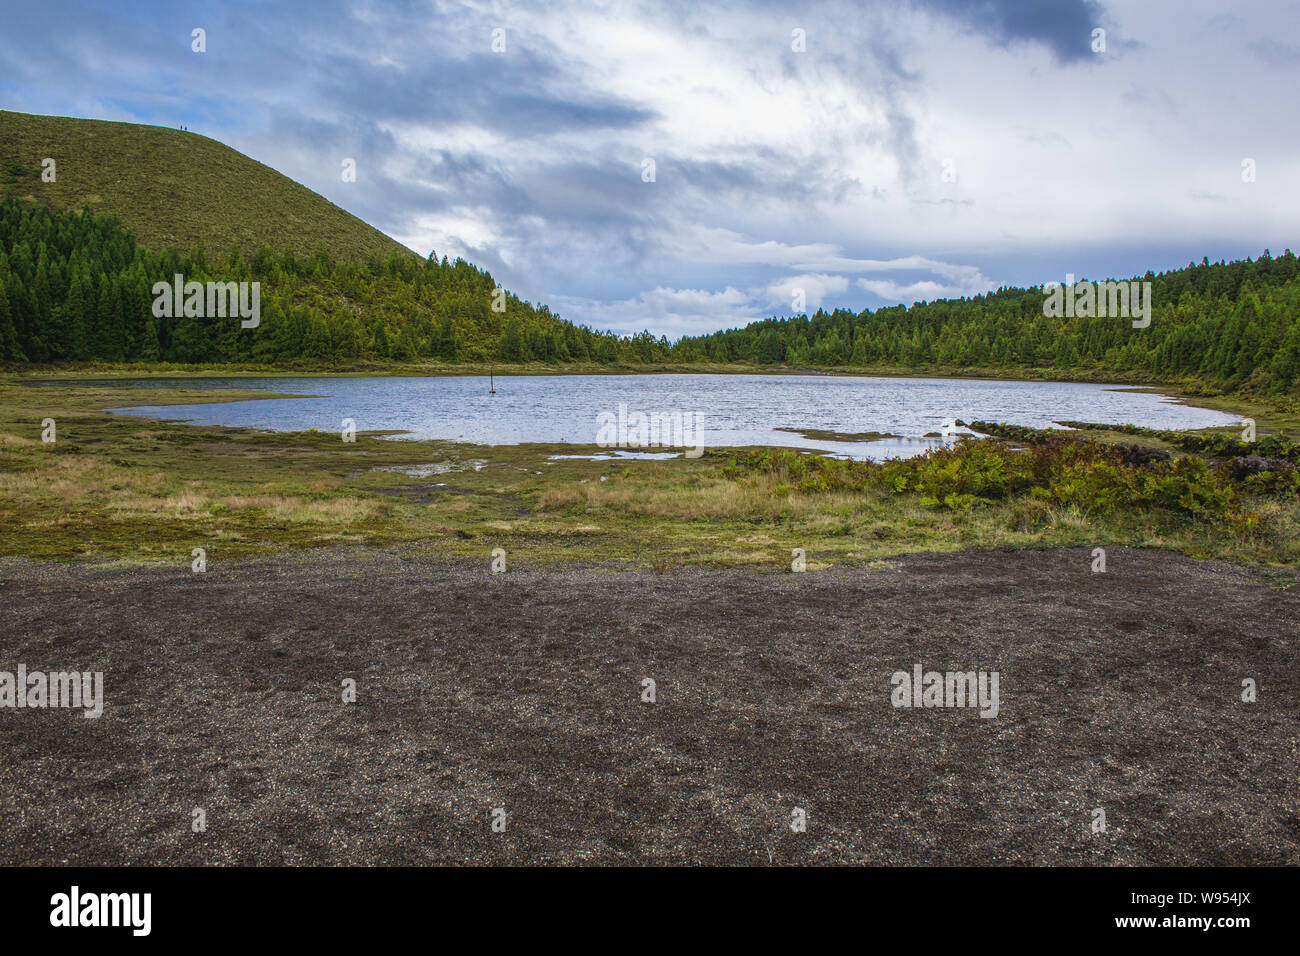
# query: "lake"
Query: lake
{"points": [[729, 409]]}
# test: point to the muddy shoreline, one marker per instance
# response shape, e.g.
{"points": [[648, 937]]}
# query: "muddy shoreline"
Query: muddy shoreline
{"points": [[1119, 691]]}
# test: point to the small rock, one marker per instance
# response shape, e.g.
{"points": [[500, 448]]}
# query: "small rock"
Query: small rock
{"points": [[1244, 467], [1139, 455]]}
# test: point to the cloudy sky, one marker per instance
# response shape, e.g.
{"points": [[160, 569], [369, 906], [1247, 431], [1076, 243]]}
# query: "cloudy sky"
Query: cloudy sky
{"points": [[865, 153]]}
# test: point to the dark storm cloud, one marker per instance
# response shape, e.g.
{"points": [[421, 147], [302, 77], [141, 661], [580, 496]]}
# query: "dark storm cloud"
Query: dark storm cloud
{"points": [[1063, 26]]}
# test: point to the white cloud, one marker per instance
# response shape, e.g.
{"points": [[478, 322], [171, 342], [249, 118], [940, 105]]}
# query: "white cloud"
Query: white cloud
{"points": [[665, 311], [906, 293], [812, 288], [775, 168]]}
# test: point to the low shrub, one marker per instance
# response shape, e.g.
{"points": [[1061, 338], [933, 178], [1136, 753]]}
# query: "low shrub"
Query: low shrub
{"points": [[1081, 477]]}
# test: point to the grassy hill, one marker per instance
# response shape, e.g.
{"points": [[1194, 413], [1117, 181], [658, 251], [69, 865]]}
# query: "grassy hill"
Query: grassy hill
{"points": [[176, 190], [76, 287], [131, 205]]}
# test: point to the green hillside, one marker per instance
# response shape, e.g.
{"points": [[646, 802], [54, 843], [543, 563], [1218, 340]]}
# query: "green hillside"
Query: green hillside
{"points": [[176, 190], [76, 287], [131, 205]]}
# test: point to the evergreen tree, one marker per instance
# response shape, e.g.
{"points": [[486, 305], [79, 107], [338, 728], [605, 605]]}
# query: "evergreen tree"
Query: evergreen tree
{"points": [[10, 349]]}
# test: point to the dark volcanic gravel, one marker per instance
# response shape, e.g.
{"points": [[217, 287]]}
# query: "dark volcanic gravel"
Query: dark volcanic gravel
{"points": [[1119, 691]]}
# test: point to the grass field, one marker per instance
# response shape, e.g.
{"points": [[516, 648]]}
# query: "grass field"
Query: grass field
{"points": [[118, 489]]}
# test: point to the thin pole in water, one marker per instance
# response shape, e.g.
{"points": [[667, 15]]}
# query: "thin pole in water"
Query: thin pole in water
{"points": [[492, 380]]}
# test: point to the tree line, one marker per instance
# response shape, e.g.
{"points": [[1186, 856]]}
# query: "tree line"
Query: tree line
{"points": [[77, 287], [1234, 324]]}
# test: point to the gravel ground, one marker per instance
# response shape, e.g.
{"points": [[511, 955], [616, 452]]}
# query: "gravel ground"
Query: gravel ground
{"points": [[1119, 691]]}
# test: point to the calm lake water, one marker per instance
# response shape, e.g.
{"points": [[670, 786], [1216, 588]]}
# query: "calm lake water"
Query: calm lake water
{"points": [[732, 409]]}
